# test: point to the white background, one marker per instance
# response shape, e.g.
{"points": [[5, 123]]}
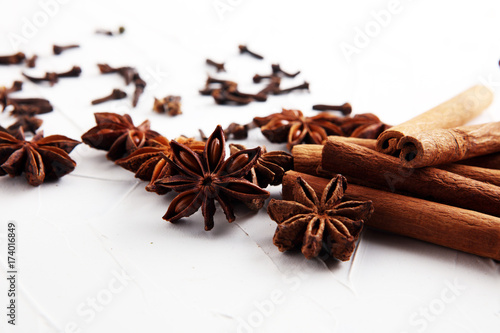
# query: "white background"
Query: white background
{"points": [[94, 254]]}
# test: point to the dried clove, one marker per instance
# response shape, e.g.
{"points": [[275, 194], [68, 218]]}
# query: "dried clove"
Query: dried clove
{"points": [[126, 72], [57, 49], [115, 95], [27, 123], [52, 78], [272, 88], [218, 66], [140, 84], [277, 70], [304, 86], [244, 49], [28, 106], [258, 78], [345, 108], [13, 59], [120, 31], [224, 97], [31, 62], [130, 75], [5, 92], [170, 105]]}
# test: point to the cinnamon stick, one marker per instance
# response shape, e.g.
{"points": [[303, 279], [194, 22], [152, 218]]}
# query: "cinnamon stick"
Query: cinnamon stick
{"points": [[448, 226], [491, 161], [307, 158], [442, 146], [370, 167], [452, 113]]}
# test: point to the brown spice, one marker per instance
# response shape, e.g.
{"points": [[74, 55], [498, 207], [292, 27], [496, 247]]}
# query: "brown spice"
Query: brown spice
{"points": [[269, 168], [453, 113], [293, 127], [57, 49], [218, 66], [117, 134], [27, 123], [13, 59], [441, 146], [367, 167], [316, 224], [40, 159], [204, 179], [115, 95], [170, 105], [148, 163], [52, 78], [449, 226]]}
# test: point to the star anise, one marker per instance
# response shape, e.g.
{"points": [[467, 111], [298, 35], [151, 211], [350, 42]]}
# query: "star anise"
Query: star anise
{"points": [[40, 159], [204, 179], [364, 125], [319, 224], [148, 163], [269, 169], [293, 127], [117, 134]]}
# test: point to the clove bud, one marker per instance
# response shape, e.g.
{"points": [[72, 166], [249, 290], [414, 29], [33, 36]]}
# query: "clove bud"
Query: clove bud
{"points": [[115, 95], [218, 66], [120, 31], [13, 59], [60, 49], [52, 78], [244, 49], [345, 108], [277, 70]]}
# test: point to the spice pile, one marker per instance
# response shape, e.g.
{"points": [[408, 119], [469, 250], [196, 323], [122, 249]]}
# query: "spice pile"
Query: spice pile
{"points": [[318, 213]]}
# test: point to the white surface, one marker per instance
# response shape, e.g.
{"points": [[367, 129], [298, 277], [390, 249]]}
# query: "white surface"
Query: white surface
{"points": [[75, 236]]}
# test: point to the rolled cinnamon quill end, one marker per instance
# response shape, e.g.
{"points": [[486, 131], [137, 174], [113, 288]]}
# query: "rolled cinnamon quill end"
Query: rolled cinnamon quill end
{"points": [[452, 113], [442, 146], [448, 226], [368, 167]]}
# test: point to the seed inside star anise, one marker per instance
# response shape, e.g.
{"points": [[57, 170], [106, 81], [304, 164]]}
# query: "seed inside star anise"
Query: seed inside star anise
{"points": [[204, 179]]}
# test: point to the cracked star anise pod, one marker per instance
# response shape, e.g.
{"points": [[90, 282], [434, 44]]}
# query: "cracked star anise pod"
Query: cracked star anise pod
{"points": [[117, 134], [209, 177], [148, 163], [40, 159], [269, 169], [293, 127], [364, 125], [316, 224]]}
